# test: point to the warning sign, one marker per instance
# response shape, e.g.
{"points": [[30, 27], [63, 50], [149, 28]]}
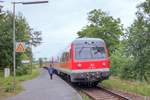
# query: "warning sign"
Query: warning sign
{"points": [[20, 47]]}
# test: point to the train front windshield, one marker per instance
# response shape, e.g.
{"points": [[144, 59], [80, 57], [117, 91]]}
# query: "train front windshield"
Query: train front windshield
{"points": [[89, 53]]}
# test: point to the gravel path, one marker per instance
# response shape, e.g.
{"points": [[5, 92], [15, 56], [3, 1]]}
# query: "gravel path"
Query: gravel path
{"points": [[42, 88]]}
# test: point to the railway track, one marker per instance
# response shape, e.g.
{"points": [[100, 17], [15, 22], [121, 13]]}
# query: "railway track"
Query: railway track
{"points": [[100, 93]]}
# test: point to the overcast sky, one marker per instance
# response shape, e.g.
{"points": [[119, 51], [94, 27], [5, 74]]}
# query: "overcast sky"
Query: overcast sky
{"points": [[60, 20]]}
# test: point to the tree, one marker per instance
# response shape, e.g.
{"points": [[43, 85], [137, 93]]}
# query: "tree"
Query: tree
{"points": [[6, 42], [6, 39], [101, 25], [41, 62], [35, 37], [139, 42]]}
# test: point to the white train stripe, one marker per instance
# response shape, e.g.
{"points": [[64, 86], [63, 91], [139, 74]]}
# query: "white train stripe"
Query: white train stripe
{"points": [[68, 71], [91, 70], [63, 70]]}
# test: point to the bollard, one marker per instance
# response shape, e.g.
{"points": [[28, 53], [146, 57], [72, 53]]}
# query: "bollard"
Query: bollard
{"points": [[6, 72]]}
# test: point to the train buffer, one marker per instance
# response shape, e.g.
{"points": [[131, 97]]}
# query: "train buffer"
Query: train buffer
{"points": [[42, 88]]}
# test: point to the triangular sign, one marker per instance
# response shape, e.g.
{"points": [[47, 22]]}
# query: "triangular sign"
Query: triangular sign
{"points": [[20, 47]]}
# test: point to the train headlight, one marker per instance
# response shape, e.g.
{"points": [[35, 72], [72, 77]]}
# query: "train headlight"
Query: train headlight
{"points": [[104, 64], [79, 65]]}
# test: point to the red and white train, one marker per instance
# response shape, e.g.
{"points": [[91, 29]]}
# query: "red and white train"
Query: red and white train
{"points": [[85, 60]]}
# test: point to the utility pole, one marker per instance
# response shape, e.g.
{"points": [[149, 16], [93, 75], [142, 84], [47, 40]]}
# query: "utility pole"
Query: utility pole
{"points": [[14, 47], [1, 12], [1, 8]]}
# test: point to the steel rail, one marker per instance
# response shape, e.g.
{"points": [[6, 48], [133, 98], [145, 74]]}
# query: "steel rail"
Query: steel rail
{"points": [[112, 92], [106, 94]]}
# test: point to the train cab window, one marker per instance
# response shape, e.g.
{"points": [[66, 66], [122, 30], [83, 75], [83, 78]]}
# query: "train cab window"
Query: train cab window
{"points": [[98, 52], [87, 53]]}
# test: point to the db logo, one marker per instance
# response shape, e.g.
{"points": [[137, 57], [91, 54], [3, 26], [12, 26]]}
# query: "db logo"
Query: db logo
{"points": [[92, 66]]}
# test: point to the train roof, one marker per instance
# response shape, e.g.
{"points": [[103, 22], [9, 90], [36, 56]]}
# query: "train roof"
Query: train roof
{"points": [[81, 40]]}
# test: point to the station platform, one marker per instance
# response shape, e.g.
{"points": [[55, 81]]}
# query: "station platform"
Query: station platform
{"points": [[42, 88]]}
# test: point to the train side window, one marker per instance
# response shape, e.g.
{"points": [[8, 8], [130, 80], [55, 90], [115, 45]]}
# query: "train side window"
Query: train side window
{"points": [[67, 56], [62, 57]]}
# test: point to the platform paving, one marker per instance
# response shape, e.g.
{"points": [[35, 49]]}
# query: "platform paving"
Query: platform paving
{"points": [[42, 88]]}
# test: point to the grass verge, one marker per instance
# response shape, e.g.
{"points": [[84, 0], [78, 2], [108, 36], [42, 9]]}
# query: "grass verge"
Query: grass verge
{"points": [[128, 86], [6, 84]]}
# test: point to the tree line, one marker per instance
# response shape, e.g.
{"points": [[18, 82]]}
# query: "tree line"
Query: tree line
{"points": [[24, 33], [129, 48]]}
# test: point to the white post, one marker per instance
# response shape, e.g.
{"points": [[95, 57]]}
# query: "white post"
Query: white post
{"points": [[6, 72]]}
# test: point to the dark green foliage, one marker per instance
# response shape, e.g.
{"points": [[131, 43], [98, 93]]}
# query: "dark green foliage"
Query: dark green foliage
{"points": [[41, 62], [119, 61], [128, 72], [6, 43], [139, 43], [22, 70]]}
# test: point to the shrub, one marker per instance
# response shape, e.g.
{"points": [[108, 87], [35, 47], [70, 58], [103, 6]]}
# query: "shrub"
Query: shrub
{"points": [[22, 70], [119, 62]]}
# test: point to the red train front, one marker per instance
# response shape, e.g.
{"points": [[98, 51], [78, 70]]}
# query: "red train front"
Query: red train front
{"points": [[85, 60]]}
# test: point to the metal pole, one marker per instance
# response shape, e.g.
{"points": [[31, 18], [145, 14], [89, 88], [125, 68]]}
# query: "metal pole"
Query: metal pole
{"points": [[1, 12], [31, 58], [14, 48]]}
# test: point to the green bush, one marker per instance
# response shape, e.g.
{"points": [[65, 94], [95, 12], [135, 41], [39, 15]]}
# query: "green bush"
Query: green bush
{"points": [[119, 63], [8, 87], [128, 68], [1, 73], [6, 84], [22, 70], [128, 72]]}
